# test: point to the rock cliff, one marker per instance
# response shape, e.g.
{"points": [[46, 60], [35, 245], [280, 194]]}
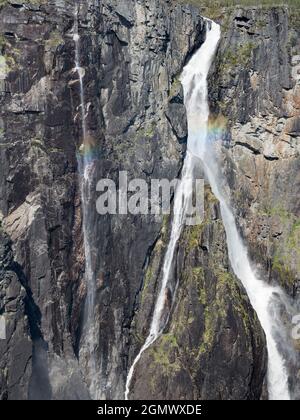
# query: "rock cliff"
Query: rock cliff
{"points": [[256, 85], [132, 53]]}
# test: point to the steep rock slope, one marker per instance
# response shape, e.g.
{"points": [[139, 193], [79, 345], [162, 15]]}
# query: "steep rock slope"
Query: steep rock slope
{"points": [[132, 53], [16, 350], [257, 78], [213, 346], [257, 74]]}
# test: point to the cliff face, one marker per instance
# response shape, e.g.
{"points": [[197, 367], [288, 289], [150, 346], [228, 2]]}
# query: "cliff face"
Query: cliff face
{"points": [[213, 346], [16, 349], [256, 86], [132, 53]]}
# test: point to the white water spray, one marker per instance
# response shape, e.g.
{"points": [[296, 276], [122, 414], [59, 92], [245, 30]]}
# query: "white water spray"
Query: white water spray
{"points": [[182, 198], [88, 347], [260, 294]]}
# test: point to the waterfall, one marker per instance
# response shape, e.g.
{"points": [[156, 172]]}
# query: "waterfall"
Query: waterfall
{"points": [[182, 197], [160, 318], [86, 168], [262, 296]]}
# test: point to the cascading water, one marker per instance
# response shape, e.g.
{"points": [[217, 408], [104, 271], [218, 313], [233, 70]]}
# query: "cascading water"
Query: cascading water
{"points": [[261, 295], [160, 317], [89, 340], [183, 196]]}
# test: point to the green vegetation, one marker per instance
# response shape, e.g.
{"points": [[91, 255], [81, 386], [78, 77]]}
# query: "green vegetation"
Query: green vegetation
{"points": [[3, 42], [8, 56], [6, 65], [147, 283], [193, 236], [55, 40], [214, 9], [215, 311], [294, 17], [245, 52], [294, 237], [175, 87], [279, 211], [147, 132], [285, 275], [233, 58], [37, 143], [286, 252], [2, 132], [165, 227], [165, 354]]}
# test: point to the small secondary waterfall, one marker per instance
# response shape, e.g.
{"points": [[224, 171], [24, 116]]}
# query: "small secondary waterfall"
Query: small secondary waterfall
{"points": [[160, 317], [262, 296], [89, 340], [183, 195]]}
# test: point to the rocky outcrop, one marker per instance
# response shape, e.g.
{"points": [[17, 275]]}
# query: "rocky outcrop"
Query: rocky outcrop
{"points": [[213, 346], [257, 75], [16, 348]]}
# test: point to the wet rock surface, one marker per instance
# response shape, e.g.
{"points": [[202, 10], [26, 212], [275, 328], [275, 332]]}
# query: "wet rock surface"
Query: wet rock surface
{"points": [[131, 53]]}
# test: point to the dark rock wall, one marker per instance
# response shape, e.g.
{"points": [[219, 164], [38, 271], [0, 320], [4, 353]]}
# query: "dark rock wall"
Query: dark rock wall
{"points": [[141, 52], [132, 52], [213, 346], [16, 350], [255, 85]]}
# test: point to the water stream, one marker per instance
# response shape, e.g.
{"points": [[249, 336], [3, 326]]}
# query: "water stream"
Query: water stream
{"points": [[86, 168], [182, 198], [263, 297]]}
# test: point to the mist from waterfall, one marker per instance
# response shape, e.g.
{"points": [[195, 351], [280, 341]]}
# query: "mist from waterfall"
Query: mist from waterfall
{"points": [[89, 336], [262, 296]]}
